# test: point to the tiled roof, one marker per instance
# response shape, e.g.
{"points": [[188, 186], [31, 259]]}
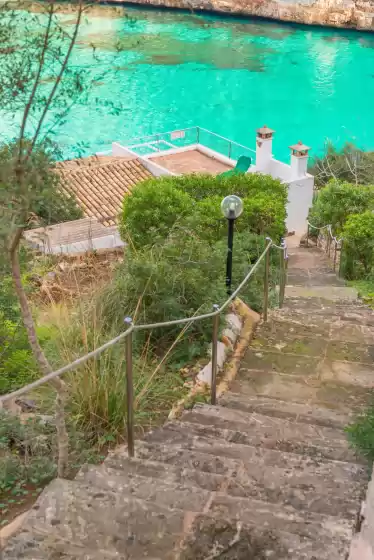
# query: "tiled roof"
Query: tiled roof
{"points": [[99, 183]]}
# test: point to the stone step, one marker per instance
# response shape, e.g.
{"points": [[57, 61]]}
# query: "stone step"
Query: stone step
{"points": [[260, 359], [72, 520], [301, 388], [300, 412], [328, 487], [294, 324], [76, 521], [207, 479], [216, 538], [268, 432], [329, 293], [251, 512], [165, 491], [301, 277], [323, 307]]}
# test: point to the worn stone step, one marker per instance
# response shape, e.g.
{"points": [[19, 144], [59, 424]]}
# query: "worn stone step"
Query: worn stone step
{"points": [[329, 487], [322, 277], [267, 431], [207, 478], [217, 538], [301, 412], [73, 520], [67, 525], [260, 359], [164, 492], [329, 293], [323, 307], [287, 324], [274, 516], [301, 388]]}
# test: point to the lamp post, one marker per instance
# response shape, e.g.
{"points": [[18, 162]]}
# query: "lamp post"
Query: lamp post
{"points": [[232, 207]]}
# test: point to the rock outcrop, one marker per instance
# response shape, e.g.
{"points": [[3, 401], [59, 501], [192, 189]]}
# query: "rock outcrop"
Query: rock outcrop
{"points": [[358, 14]]}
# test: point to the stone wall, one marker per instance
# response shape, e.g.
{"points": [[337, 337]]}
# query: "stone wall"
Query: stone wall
{"points": [[357, 14]]}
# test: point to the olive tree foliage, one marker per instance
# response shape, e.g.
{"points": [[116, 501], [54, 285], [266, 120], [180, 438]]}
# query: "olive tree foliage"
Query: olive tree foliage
{"points": [[39, 84], [348, 164]]}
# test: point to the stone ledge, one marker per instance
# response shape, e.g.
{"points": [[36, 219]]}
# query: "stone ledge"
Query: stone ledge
{"points": [[362, 547], [242, 336]]}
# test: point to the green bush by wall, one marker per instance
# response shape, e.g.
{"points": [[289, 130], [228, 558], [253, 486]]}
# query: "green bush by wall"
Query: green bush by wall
{"points": [[193, 201]]}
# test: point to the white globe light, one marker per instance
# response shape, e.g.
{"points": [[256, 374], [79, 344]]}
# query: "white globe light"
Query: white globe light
{"points": [[232, 206]]}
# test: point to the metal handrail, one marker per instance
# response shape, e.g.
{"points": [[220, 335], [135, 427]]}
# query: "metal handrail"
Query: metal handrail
{"points": [[127, 335], [338, 243]]}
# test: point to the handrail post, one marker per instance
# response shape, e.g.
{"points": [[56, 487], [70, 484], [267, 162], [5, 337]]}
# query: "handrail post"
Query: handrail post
{"points": [[329, 244], [213, 388], [197, 135], [266, 283], [129, 391], [335, 244], [230, 148], [282, 283], [341, 259]]}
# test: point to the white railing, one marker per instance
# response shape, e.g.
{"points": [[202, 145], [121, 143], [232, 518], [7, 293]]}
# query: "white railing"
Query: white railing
{"points": [[185, 137]]}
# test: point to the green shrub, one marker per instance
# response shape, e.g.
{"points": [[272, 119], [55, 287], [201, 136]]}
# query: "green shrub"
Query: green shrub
{"points": [[359, 245], [263, 214], [152, 210], [174, 279], [193, 201], [361, 433], [349, 164], [200, 186], [337, 201]]}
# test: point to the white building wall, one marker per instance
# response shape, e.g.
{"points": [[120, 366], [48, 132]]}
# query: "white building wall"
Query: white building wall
{"points": [[300, 198]]}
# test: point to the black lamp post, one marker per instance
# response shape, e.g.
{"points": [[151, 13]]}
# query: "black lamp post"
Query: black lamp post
{"points": [[232, 207]]}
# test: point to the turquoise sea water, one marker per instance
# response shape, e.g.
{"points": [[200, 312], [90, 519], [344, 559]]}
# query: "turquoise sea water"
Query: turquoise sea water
{"points": [[229, 75]]}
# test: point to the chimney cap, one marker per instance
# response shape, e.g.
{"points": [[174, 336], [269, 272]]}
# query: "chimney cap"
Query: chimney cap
{"points": [[265, 131], [300, 148]]}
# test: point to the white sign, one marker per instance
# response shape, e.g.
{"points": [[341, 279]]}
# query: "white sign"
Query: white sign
{"points": [[177, 134]]}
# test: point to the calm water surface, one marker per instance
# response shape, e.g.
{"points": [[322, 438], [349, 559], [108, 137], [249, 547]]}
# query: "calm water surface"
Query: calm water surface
{"points": [[229, 75]]}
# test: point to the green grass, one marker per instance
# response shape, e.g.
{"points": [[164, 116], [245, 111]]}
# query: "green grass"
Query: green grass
{"points": [[365, 289], [361, 432]]}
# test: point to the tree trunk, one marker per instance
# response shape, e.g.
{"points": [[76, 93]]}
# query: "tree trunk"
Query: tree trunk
{"points": [[57, 383]]}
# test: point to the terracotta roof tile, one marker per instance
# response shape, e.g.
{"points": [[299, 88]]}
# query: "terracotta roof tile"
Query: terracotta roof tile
{"points": [[99, 183]]}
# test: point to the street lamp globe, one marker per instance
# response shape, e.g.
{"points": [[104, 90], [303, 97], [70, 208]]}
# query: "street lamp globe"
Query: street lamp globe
{"points": [[232, 207]]}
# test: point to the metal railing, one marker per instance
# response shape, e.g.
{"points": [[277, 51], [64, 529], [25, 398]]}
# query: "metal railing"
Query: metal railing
{"points": [[184, 137], [330, 240], [127, 335]]}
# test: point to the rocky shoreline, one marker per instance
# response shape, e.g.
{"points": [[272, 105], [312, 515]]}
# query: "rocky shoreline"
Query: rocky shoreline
{"points": [[351, 14]]}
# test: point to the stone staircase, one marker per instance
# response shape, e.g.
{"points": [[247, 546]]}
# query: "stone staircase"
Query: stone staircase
{"points": [[267, 474]]}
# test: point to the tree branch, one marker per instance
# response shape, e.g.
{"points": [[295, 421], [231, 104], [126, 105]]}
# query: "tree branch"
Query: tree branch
{"points": [[36, 82], [58, 79], [57, 383]]}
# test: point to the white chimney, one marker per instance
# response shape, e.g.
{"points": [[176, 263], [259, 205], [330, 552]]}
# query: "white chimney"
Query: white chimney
{"points": [[264, 148], [299, 160]]}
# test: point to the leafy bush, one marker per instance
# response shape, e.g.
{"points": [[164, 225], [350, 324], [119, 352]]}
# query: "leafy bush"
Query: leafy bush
{"points": [[359, 245], [152, 210], [348, 164], [193, 201], [337, 201]]}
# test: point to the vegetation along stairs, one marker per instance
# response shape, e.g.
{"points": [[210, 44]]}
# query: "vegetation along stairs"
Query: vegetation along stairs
{"points": [[267, 474]]}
